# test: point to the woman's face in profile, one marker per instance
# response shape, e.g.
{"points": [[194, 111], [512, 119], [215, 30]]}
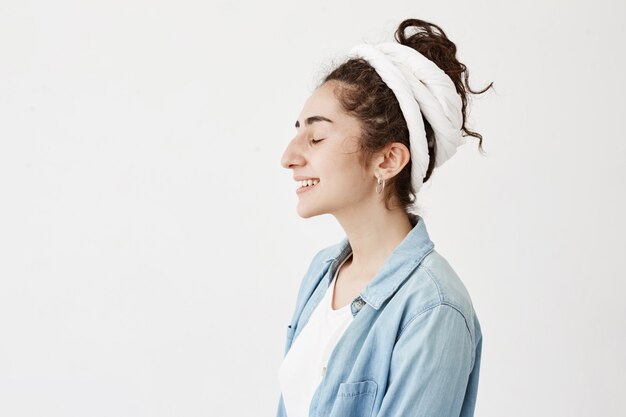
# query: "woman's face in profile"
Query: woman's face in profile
{"points": [[325, 148]]}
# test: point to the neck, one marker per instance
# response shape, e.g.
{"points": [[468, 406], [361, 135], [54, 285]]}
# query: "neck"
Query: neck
{"points": [[373, 232]]}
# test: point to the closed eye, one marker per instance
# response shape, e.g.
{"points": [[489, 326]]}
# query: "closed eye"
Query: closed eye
{"points": [[314, 141]]}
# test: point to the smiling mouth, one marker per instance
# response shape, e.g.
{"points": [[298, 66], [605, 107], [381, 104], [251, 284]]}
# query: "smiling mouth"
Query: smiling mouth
{"points": [[307, 185]]}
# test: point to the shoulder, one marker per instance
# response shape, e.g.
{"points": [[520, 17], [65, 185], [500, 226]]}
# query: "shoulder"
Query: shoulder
{"points": [[435, 283], [449, 287]]}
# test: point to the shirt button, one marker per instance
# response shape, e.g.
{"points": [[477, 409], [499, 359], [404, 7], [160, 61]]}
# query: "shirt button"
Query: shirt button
{"points": [[323, 370]]}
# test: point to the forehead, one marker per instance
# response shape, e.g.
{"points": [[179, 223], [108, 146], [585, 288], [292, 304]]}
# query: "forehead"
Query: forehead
{"points": [[323, 102]]}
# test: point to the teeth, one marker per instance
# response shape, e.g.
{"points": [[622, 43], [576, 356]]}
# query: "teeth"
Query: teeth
{"points": [[307, 183]]}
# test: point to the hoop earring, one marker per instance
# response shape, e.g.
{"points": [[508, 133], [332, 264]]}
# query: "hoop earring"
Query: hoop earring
{"points": [[378, 182]]}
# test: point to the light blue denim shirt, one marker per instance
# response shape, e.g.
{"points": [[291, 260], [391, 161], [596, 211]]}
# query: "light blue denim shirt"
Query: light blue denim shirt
{"points": [[414, 346]]}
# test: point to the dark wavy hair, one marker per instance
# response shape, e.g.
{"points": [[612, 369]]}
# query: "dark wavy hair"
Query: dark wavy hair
{"points": [[363, 94]]}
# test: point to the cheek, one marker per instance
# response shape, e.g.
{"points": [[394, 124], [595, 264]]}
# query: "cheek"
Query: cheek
{"points": [[351, 174], [340, 164]]}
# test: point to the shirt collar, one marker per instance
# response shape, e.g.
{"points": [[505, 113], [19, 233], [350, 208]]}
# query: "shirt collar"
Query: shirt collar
{"points": [[398, 266]]}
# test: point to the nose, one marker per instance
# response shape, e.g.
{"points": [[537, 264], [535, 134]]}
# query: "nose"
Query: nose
{"points": [[293, 155]]}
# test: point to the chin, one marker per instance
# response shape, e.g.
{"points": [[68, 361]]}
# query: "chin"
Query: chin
{"points": [[308, 212]]}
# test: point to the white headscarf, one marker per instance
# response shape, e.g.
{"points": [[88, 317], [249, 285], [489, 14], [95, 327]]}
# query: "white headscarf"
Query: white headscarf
{"points": [[421, 87]]}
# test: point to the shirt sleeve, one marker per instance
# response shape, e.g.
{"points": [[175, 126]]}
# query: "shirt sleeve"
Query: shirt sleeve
{"points": [[430, 366]]}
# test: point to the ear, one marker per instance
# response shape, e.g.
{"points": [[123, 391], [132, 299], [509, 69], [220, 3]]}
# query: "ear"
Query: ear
{"points": [[390, 161]]}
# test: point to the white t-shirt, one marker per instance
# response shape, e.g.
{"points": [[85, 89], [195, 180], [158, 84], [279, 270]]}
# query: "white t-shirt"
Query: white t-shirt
{"points": [[304, 365]]}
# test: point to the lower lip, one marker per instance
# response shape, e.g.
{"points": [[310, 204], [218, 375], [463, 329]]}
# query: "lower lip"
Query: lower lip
{"points": [[305, 189]]}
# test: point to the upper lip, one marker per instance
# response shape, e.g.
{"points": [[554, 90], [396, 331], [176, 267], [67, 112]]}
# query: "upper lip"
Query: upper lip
{"points": [[301, 178]]}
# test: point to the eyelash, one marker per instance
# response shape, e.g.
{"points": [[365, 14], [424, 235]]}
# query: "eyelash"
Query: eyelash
{"points": [[315, 141]]}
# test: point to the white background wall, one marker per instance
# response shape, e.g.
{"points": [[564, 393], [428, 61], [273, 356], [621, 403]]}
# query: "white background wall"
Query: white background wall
{"points": [[150, 251]]}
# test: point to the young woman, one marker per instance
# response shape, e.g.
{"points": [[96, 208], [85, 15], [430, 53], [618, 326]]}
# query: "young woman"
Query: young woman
{"points": [[383, 326]]}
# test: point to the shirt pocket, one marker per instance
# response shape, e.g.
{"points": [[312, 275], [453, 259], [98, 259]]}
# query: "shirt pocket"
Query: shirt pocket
{"points": [[355, 399]]}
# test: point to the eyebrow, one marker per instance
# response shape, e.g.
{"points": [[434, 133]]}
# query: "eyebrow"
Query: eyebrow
{"points": [[313, 119]]}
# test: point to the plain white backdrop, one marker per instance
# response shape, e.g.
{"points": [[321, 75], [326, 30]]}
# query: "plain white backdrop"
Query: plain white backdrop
{"points": [[150, 251]]}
